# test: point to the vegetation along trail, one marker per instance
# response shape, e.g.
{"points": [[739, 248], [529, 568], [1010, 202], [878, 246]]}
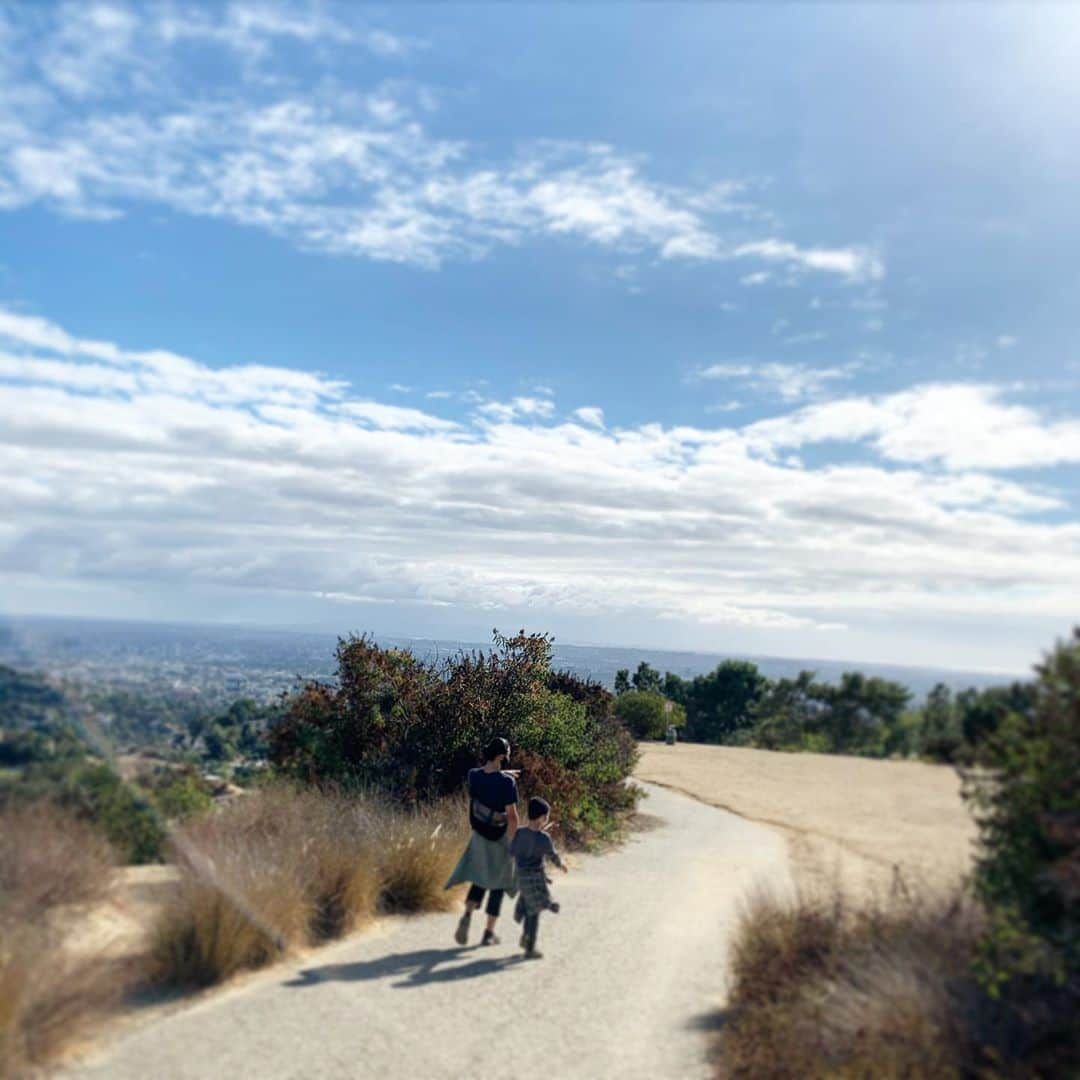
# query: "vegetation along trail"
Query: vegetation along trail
{"points": [[632, 966]]}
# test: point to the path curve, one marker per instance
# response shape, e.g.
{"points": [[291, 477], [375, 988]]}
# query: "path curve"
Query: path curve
{"points": [[633, 965]]}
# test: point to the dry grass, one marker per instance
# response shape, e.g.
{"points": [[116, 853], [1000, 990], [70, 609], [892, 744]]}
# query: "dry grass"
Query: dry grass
{"points": [[48, 858], [49, 863], [418, 852], [824, 988], [286, 867], [857, 818]]}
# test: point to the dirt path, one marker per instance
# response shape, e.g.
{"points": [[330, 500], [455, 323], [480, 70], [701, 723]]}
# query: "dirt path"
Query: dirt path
{"points": [[845, 818], [632, 965]]}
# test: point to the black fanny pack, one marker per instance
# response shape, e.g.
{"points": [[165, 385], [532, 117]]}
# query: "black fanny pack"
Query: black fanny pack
{"points": [[490, 824]]}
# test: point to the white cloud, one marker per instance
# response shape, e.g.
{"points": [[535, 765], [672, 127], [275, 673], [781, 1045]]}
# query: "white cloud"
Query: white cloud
{"points": [[791, 382], [141, 466], [857, 263], [758, 277], [395, 418], [328, 169], [959, 426], [505, 411], [590, 414], [1006, 341]]}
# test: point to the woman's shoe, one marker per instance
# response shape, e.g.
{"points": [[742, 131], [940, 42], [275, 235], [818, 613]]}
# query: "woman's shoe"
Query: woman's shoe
{"points": [[461, 935], [533, 954], [489, 938]]}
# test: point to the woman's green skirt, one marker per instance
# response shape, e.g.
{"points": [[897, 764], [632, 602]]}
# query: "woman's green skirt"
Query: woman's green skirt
{"points": [[486, 863]]}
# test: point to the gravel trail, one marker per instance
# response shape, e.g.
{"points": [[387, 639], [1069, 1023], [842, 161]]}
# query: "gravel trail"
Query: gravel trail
{"points": [[633, 965]]}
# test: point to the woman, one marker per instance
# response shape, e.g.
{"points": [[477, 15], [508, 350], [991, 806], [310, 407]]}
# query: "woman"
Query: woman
{"points": [[487, 864]]}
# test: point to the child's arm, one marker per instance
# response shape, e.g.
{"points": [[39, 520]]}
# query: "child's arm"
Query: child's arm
{"points": [[553, 855]]}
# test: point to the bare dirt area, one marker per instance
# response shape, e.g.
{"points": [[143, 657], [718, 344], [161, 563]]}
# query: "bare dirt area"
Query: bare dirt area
{"points": [[848, 821]]}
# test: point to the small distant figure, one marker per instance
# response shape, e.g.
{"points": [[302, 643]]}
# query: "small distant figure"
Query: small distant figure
{"points": [[530, 847], [672, 735]]}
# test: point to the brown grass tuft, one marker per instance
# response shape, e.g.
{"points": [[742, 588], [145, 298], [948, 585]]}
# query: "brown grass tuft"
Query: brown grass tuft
{"points": [[49, 861], [48, 858], [418, 852], [286, 867], [825, 988]]}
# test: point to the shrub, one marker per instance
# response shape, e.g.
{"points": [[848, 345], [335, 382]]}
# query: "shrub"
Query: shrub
{"points": [[179, 794], [48, 860], [647, 714], [242, 900], [412, 730], [823, 988], [48, 1000], [417, 851], [1027, 804], [126, 817], [1028, 807], [286, 866]]}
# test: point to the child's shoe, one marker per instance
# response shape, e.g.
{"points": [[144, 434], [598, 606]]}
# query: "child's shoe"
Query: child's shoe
{"points": [[554, 907], [461, 934], [489, 938]]}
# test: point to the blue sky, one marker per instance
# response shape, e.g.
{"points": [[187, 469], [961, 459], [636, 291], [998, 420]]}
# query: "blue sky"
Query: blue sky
{"points": [[737, 328]]}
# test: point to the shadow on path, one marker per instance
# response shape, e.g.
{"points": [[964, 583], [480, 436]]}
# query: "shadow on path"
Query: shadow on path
{"points": [[418, 968]]}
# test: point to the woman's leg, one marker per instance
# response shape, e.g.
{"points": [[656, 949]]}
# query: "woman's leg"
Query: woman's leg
{"points": [[494, 906], [473, 900]]}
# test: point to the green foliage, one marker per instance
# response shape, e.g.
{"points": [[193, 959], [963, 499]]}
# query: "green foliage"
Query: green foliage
{"points": [[647, 714], [622, 680], [941, 737], [1027, 802], [647, 680], [788, 714], [180, 794], [126, 817], [413, 729], [719, 704]]}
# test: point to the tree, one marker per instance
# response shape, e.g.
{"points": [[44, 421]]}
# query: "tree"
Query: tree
{"points": [[647, 679], [721, 702], [1027, 803], [648, 714], [622, 680], [861, 712], [787, 713], [676, 688], [941, 736], [980, 712]]}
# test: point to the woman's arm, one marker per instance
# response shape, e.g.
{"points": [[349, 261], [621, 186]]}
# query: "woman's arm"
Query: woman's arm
{"points": [[511, 820]]}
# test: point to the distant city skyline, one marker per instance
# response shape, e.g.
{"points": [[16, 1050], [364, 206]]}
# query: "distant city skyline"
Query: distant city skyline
{"points": [[692, 327]]}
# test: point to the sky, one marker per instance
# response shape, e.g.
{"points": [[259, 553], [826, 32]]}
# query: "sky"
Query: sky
{"points": [[732, 328]]}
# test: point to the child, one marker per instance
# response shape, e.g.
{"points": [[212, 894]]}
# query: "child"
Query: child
{"points": [[530, 848]]}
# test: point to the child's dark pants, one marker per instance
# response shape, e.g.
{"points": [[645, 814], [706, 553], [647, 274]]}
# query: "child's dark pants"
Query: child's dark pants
{"points": [[532, 927], [495, 899]]}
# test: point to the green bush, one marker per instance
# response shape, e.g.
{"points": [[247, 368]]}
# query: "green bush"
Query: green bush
{"points": [[413, 729], [647, 714], [1027, 803], [180, 795], [126, 817]]}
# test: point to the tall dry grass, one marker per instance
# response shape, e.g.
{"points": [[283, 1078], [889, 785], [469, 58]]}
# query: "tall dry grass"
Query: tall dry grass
{"points": [[50, 866], [418, 850], [825, 988], [287, 867]]}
